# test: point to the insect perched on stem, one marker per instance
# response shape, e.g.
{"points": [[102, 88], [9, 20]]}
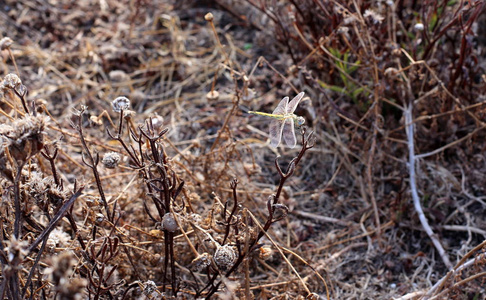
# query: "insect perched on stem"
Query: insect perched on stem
{"points": [[283, 121]]}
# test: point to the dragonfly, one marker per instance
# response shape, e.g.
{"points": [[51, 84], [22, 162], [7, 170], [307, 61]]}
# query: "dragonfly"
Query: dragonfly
{"points": [[284, 121]]}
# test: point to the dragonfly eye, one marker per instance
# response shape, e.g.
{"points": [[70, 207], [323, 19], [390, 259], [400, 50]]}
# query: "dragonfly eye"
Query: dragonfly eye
{"points": [[300, 121]]}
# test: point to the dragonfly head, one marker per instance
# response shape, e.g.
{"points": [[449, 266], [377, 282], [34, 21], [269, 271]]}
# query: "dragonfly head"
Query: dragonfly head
{"points": [[300, 121]]}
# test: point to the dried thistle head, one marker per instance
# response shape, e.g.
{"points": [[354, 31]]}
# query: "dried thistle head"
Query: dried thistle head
{"points": [[24, 137], [11, 81], [44, 190], [120, 103], [111, 160], [225, 257], [58, 237]]}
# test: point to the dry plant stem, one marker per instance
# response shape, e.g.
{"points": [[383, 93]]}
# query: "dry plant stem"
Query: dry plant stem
{"points": [[12, 57], [21, 96], [464, 263], [413, 187], [93, 165], [18, 213], [51, 158], [308, 142], [57, 217], [280, 252], [33, 268]]}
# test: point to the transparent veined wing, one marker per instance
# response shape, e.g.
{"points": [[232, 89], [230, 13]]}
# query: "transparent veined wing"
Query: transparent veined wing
{"points": [[293, 104], [276, 127], [282, 107], [288, 133]]}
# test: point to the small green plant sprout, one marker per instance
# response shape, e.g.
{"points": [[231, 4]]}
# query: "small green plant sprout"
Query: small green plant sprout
{"points": [[283, 121]]}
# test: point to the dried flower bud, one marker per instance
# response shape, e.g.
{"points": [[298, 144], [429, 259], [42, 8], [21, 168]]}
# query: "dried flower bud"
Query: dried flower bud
{"points": [[209, 17], [118, 76], [169, 223], [280, 211], [265, 252], [5, 43], [111, 160], [120, 103], [212, 95], [11, 81], [312, 296], [201, 262], [419, 27], [99, 218], [225, 257]]}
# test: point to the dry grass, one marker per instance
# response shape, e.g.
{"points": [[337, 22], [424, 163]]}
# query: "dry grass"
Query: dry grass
{"points": [[195, 203]]}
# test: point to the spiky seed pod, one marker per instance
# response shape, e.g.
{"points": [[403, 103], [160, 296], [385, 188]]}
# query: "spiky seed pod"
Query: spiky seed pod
{"points": [[225, 257], [111, 160], [120, 103], [169, 223]]}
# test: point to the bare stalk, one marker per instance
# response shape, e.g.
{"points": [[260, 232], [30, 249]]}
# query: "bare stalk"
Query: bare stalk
{"points": [[413, 187]]}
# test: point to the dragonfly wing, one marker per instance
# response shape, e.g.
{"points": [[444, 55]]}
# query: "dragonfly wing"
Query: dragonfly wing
{"points": [[276, 127], [293, 104], [282, 107], [288, 132]]}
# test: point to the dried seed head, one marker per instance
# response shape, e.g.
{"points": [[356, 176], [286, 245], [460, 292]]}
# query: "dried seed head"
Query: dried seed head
{"points": [[99, 218], [375, 17], [16, 251], [58, 238], [120, 103], [209, 17], [225, 257], [25, 137], [265, 252], [111, 160], [201, 262], [5, 43], [169, 223], [149, 287], [212, 95], [11, 81]]}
